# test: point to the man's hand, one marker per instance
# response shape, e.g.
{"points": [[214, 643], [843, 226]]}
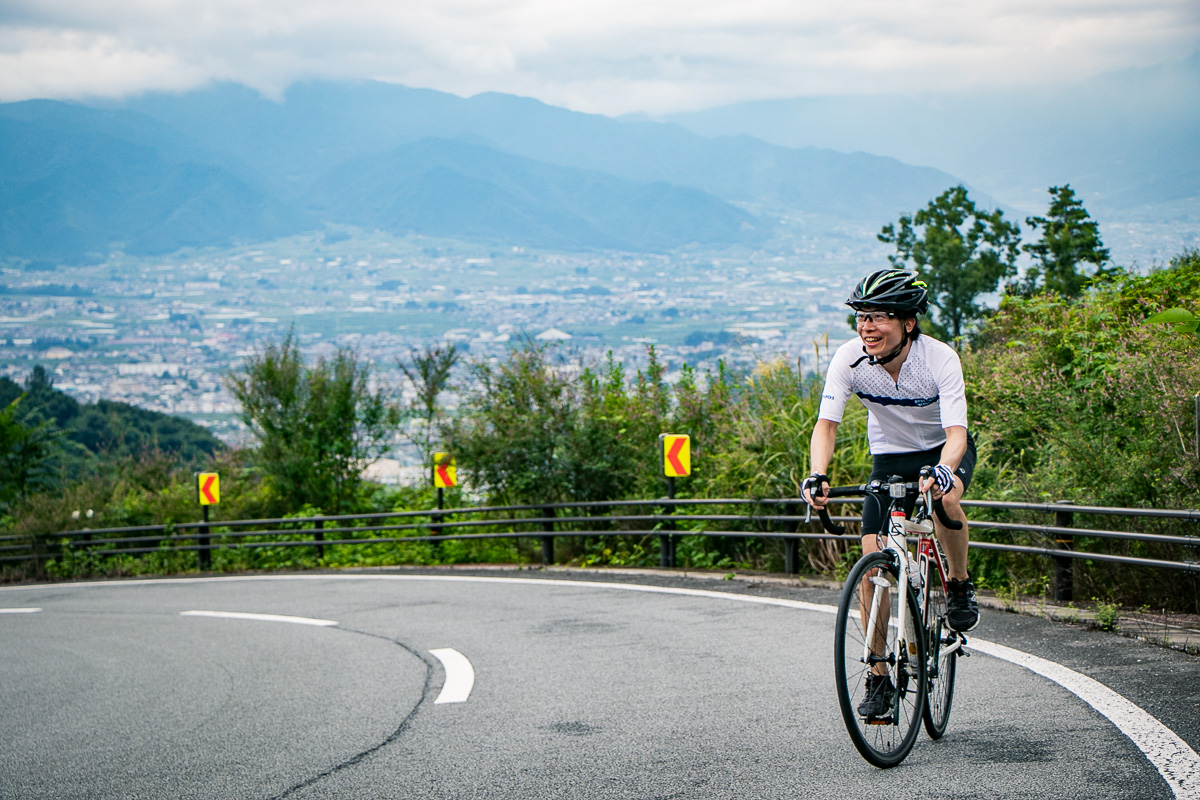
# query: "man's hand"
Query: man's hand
{"points": [[815, 490], [941, 481]]}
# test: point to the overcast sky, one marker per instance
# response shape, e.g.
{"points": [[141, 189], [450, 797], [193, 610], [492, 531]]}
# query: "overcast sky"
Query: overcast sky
{"points": [[606, 56]]}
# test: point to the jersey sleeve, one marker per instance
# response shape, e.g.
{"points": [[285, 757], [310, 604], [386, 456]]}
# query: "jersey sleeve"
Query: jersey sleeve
{"points": [[952, 390], [837, 386]]}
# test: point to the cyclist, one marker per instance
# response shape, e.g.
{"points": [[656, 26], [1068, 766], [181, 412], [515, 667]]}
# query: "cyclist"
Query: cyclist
{"points": [[912, 386]]}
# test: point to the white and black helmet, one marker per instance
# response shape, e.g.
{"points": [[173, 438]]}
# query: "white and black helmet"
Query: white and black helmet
{"points": [[890, 290]]}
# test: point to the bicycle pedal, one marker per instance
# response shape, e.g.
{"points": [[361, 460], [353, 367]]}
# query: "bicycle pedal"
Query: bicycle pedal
{"points": [[878, 721]]}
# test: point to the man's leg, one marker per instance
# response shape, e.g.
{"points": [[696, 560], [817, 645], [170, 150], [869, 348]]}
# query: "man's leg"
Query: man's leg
{"points": [[962, 610], [954, 543]]}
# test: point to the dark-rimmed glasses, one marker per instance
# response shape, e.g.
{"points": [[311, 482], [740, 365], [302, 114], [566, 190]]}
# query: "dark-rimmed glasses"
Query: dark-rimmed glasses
{"points": [[875, 317]]}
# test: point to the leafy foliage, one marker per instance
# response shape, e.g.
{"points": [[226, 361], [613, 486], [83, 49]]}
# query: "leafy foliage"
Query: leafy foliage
{"points": [[317, 427], [429, 373], [26, 452], [1090, 400], [959, 251], [1070, 237], [92, 433], [532, 434], [1082, 401]]}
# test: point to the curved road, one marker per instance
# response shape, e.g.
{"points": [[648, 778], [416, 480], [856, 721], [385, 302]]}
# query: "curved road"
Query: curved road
{"points": [[625, 690]]}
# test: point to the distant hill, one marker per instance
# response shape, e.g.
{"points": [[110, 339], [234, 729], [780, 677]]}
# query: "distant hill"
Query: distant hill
{"points": [[1125, 141], [223, 164], [77, 182], [107, 428], [454, 189]]}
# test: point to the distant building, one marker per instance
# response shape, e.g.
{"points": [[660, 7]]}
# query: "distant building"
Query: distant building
{"points": [[150, 368], [552, 335]]}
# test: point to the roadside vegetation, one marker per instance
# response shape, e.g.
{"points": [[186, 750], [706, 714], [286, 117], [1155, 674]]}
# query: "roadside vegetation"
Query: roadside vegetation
{"points": [[1082, 387]]}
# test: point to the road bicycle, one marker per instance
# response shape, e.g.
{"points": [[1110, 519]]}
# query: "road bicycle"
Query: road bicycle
{"points": [[906, 645]]}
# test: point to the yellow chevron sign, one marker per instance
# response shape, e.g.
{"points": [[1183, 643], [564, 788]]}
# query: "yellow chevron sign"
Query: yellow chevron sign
{"points": [[677, 454]]}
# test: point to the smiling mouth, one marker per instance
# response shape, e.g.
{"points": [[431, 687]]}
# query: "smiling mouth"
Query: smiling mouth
{"points": [[872, 340]]}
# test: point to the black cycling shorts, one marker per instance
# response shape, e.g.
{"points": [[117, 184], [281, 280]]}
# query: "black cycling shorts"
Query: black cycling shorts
{"points": [[908, 466]]}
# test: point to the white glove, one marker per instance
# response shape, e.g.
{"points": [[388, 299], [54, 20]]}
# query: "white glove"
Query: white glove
{"points": [[943, 476]]}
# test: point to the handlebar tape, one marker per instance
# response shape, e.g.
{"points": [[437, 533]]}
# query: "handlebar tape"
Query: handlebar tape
{"points": [[952, 524]]}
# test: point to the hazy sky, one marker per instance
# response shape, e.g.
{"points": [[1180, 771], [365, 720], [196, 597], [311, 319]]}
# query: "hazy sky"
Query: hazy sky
{"points": [[607, 56]]}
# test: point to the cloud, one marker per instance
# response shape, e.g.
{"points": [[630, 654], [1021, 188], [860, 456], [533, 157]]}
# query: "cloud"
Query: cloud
{"points": [[608, 56]]}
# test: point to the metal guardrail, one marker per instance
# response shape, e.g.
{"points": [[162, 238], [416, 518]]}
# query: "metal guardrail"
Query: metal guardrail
{"points": [[546, 524]]}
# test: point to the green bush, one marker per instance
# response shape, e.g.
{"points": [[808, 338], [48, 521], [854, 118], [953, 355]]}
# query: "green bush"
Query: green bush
{"points": [[1080, 400]]}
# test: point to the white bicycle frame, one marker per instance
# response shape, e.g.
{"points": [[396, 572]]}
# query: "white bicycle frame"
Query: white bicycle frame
{"points": [[899, 527]]}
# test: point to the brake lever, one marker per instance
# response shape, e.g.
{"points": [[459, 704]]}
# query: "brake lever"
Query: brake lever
{"points": [[952, 524], [826, 522]]}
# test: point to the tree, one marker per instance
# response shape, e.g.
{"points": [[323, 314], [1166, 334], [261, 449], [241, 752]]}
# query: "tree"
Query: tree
{"points": [[27, 451], [1069, 238], [317, 427], [513, 435], [959, 251], [429, 373]]}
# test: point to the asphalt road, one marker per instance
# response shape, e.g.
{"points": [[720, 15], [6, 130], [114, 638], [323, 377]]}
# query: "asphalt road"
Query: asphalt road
{"points": [[580, 692]]}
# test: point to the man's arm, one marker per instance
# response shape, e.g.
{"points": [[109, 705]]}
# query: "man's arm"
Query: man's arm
{"points": [[952, 453], [824, 437]]}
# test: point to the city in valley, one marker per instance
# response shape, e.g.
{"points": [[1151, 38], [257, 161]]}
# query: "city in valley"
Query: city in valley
{"points": [[162, 333]]}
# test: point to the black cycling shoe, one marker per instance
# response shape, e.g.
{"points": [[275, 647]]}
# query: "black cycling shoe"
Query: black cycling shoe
{"points": [[962, 612], [880, 696]]}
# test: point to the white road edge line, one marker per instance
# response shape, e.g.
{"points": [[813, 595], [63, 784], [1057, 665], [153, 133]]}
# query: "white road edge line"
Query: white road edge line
{"points": [[19, 610], [460, 676], [323, 623], [1177, 762]]}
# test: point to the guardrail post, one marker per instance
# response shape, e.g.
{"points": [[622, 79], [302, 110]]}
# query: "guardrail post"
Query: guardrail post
{"points": [[791, 547], [319, 535], [436, 529], [548, 541], [1064, 578], [666, 542], [204, 553]]}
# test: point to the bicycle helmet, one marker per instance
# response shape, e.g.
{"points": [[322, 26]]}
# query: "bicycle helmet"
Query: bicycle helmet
{"points": [[890, 290]]}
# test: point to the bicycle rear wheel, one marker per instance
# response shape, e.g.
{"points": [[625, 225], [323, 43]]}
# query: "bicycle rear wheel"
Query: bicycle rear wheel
{"points": [[941, 652], [869, 602]]}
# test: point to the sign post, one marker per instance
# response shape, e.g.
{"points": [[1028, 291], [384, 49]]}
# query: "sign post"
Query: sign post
{"points": [[676, 452], [208, 493], [445, 475]]}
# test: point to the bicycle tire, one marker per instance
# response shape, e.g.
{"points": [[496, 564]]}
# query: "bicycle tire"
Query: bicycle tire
{"points": [[883, 744], [941, 657]]}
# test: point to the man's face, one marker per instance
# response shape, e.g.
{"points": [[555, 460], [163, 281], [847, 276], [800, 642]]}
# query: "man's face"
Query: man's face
{"points": [[880, 332]]}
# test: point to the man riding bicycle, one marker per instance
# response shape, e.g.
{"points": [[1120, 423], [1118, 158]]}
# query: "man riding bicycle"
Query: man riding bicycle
{"points": [[913, 388]]}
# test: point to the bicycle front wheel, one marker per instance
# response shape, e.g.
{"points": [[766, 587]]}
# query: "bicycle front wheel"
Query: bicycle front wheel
{"points": [[941, 652], [879, 668]]}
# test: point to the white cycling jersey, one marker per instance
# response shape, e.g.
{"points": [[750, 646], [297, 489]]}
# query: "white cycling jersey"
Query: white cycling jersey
{"points": [[905, 415]]}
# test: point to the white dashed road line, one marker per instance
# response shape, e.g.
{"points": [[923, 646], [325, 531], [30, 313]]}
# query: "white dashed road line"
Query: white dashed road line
{"points": [[322, 623], [19, 610], [460, 676]]}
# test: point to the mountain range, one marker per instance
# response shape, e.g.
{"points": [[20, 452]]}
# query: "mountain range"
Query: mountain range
{"points": [[1124, 140], [159, 172]]}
